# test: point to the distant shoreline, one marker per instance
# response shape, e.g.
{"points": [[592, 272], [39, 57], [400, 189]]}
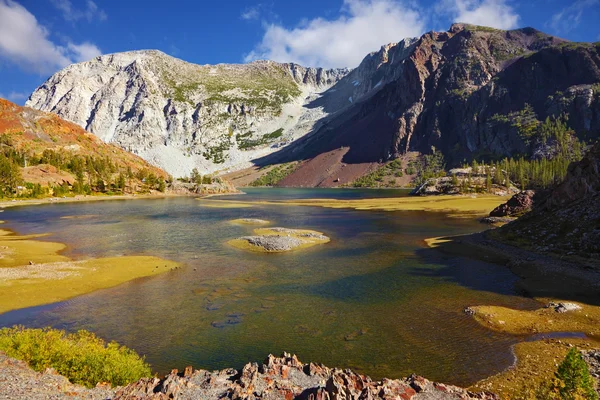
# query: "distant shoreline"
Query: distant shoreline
{"points": [[82, 198]]}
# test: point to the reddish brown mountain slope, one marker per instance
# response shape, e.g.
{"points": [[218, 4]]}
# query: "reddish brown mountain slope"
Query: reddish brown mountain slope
{"points": [[464, 92], [35, 131]]}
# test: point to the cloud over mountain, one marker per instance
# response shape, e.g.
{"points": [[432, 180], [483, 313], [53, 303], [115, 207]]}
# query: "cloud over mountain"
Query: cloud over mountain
{"points": [[25, 42]]}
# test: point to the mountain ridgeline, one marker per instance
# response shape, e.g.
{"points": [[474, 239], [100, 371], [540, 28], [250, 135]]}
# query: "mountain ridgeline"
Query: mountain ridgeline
{"points": [[182, 116], [471, 92]]}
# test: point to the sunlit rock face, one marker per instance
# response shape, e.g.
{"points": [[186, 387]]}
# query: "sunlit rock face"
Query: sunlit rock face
{"points": [[182, 116]]}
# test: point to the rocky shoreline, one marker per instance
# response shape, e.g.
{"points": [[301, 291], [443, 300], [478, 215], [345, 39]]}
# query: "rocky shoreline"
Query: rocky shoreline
{"points": [[277, 378]]}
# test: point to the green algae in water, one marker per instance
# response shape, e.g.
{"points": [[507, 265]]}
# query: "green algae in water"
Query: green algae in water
{"points": [[374, 299]]}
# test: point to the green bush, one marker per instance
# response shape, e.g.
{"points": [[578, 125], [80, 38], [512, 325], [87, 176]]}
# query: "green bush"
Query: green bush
{"points": [[573, 380], [82, 357]]}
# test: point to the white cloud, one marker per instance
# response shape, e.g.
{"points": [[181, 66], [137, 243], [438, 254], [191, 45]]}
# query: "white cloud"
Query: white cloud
{"points": [[251, 13], [494, 13], [362, 27], [90, 12], [569, 17], [84, 51], [23, 41], [14, 96]]}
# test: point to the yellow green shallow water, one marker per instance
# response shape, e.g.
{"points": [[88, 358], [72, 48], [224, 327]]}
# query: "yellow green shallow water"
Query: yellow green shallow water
{"points": [[375, 298]]}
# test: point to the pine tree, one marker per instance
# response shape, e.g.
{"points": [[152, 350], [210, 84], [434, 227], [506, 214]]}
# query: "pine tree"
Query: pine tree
{"points": [[573, 379]]}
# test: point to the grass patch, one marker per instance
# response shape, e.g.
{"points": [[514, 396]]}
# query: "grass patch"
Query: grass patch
{"points": [[53, 277], [377, 177], [266, 87], [479, 28], [543, 320], [250, 221], [276, 174], [223, 204], [216, 154], [536, 364], [81, 357], [467, 206], [245, 141]]}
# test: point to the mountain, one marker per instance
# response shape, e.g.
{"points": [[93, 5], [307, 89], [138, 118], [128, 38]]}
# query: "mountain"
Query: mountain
{"points": [[470, 92], [566, 221], [181, 116], [39, 148]]}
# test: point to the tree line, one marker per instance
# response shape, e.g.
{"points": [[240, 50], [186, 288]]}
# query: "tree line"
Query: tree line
{"points": [[92, 173]]}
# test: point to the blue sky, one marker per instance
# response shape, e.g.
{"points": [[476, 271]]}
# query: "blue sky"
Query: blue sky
{"points": [[39, 37]]}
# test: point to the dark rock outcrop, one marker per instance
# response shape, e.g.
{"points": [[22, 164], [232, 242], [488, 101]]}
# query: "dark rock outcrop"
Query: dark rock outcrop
{"points": [[464, 92], [517, 205], [566, 221]]}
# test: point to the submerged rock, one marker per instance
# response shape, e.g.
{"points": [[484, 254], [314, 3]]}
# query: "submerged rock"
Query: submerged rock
{"points": [[273, 243]]}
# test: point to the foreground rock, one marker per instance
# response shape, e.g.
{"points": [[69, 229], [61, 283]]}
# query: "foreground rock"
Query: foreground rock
{"points": [[18, 381], [288, 378], [276, 240]]}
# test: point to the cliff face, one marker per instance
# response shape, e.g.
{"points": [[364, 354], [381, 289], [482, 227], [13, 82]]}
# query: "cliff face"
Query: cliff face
{"points": [[468, 92], [179, 115], [567, 220]]}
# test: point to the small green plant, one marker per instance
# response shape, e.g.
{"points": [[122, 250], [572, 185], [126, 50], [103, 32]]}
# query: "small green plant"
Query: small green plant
{"points": [[573, 380], [246, 142], [81, 357], [596, 89]]}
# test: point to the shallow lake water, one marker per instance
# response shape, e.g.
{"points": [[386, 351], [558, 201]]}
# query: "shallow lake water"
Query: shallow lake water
{"points": [[374, 299]]}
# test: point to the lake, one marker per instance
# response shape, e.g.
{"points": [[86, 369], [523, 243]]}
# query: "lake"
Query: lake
{"points": [[374, 299]]}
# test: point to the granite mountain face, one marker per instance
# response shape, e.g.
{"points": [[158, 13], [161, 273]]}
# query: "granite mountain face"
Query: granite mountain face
{"points": [[470, 92], [179, 115]]}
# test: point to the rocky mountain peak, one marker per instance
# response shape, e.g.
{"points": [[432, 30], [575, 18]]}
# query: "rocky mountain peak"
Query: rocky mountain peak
{"points": [[461, 91], [464, 92], [180, 115]]}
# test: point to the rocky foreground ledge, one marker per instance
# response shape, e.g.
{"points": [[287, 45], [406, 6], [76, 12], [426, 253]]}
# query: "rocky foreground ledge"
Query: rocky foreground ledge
{"points": [[277, 378]]}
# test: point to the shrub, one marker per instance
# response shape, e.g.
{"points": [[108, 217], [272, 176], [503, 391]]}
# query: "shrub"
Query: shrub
{"points": [[81, 357], [573, 380]]}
